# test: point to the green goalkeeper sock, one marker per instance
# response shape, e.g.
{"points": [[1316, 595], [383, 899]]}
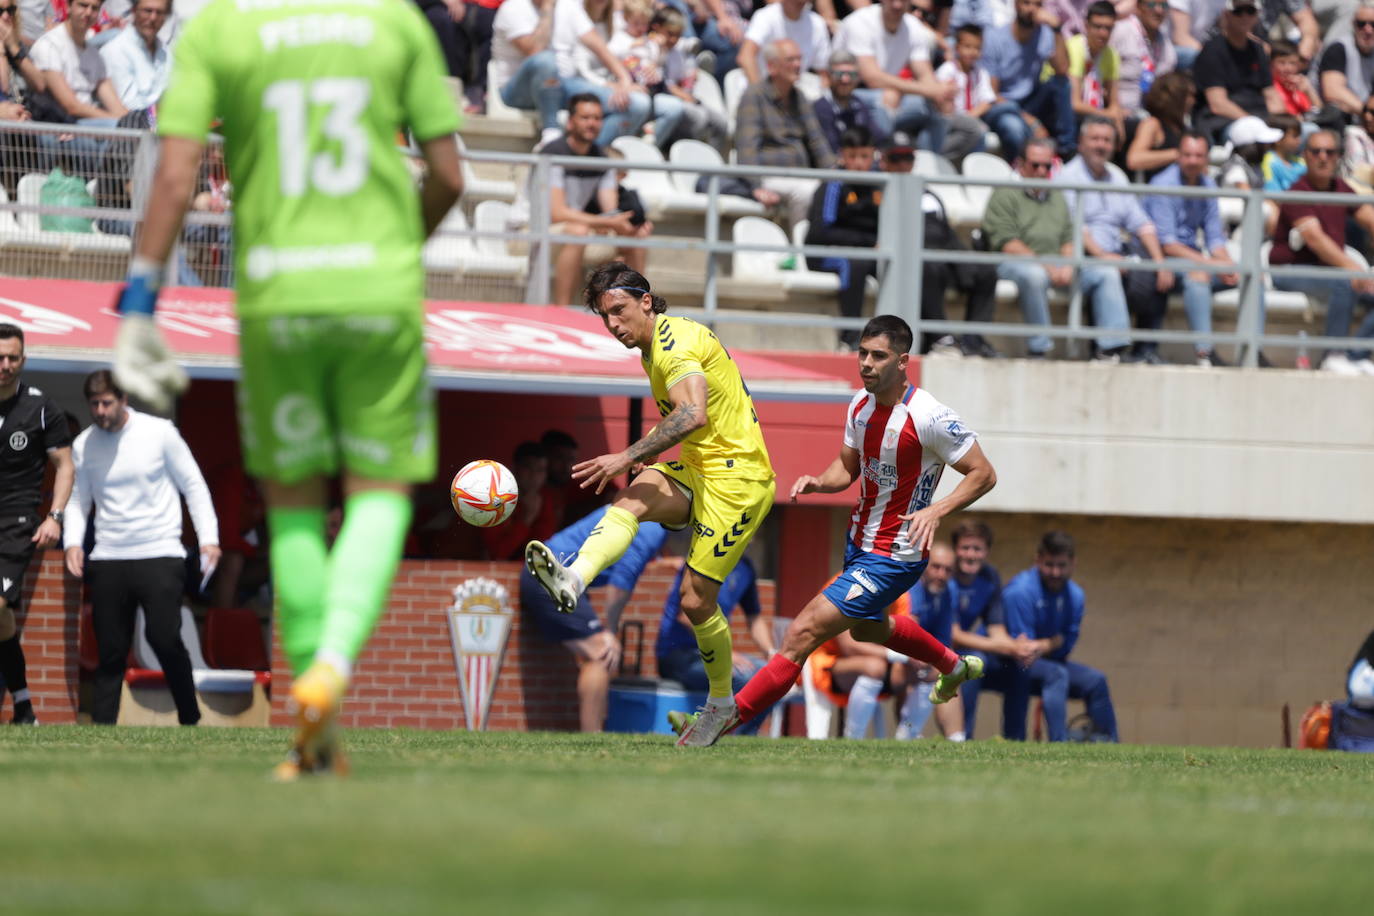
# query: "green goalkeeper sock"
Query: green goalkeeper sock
{"points": [[298, 561], [361, 567]]}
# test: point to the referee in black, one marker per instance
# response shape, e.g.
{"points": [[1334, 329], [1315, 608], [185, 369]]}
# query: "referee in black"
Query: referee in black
{"points": [[33, 431]]}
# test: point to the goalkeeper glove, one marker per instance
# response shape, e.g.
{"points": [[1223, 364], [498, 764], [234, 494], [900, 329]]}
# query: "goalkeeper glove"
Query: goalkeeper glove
{"points": [[143, 365]]}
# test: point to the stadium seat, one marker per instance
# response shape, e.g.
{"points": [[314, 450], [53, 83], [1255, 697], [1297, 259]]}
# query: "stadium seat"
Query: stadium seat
{"points": [[816, 280], [1275, 300], [660, 196], [499, 109], [694, 152], [983, 165], [735, 83], [494, 216], [233, 639], [26, 230], [810, 86], [708, 92], [762, 266], [445, 252], [958, 209], [477, 189]]}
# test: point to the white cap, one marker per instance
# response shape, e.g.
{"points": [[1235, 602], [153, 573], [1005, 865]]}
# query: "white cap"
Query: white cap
{"points": [[1251, 129]]}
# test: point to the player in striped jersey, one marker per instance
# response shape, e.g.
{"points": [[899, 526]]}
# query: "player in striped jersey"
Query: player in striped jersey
{"points": [[897, 441]]}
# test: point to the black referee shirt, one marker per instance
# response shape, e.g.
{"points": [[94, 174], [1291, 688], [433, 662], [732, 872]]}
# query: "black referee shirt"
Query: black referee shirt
{"points": [[31, 424]]}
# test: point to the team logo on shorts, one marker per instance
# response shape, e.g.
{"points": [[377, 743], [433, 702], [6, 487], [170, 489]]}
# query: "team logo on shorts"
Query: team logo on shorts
{"points": [[295, 419], [479, 624], [861, 577], [19, 441]]}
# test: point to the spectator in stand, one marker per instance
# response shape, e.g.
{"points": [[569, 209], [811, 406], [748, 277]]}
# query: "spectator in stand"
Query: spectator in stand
{"points": [[776, 126], [1015, 55], [847, 214], [792, 19], [886, 40], [1346, 67], [1233, 74], [1107, 220], [1292, 85], [1170, 102], [1357, 163], [15, 61], [644, 56], [538, 512], [581, 29], [986, 14], [586, 201], [932, 604], [474, 35], [838, 109], [77, 88], [1180, 221], [561, 450], [1321, 230], [1095, 67], [134, 468], [443, 17], [524, 70], [1191, 24], [1146, 54], [980, 625], [37, 435], [1300, 14], [1251, 139], [722, 31], [679, 657], [1044, 605], [973, 94], [595, 647], [137, 60], [35, 18], [1071, 16], [1283, 164]]}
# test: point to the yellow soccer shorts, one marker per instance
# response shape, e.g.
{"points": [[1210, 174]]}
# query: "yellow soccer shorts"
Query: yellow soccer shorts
{"points": [[726, 511]]}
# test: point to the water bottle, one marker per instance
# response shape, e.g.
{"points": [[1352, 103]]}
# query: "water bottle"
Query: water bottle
{"points": [[1303, 361]]}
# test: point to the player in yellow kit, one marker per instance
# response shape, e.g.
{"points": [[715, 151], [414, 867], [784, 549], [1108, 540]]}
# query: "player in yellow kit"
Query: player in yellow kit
{"points": [[722, 483]]}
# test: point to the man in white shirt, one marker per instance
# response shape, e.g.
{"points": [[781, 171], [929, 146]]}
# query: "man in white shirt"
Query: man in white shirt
{"points": [[78, 85], [137, 60], [785, 19], [886, 39], [523, 69], [134, 467]]}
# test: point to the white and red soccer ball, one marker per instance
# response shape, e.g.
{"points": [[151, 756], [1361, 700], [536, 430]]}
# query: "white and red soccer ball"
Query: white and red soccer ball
{"points": [[484, 493]]}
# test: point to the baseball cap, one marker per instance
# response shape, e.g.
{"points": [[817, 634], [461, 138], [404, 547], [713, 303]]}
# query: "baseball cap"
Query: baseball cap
{"points": [[1233, 5], [899, 142], [1251, 129]]}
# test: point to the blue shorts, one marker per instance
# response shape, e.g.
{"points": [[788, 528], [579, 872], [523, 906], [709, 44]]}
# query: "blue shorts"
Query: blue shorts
{"points": [[554, 625], [870, 583]]}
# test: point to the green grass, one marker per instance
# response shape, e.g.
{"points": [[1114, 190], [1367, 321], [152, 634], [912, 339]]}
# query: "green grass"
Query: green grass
{"points": [[184, 821]]}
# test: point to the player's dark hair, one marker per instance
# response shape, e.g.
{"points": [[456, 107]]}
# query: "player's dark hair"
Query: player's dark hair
{"points": [[856, 137], [972, 529], [898, 332], [971, 29], [1057, 544], [556, 438], [582, 98], [101, 381], [8, 331], [1101, 8], [528, 451], [619, 275]]}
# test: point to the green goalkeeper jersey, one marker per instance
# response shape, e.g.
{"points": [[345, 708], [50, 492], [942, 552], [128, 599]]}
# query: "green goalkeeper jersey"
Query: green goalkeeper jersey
{"points": [[311, 95]]}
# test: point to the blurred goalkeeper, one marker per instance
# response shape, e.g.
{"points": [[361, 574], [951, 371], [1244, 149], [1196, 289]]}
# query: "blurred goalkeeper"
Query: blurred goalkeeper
{"points": [[327, 232]]}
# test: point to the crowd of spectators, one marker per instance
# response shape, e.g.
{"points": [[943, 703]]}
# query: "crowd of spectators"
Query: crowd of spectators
{"points": [[1111, 91]]}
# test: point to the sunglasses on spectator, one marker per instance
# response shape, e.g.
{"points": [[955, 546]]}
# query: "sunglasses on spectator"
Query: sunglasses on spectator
{"points": [[900, 157], [1322, 150], [1039, 166], [6, 9], [1364, 23], [1155, 6], [844, 74], [1369, 111], [1246, 11]]}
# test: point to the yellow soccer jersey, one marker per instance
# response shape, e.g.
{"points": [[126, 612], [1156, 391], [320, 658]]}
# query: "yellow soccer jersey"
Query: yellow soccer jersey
{"points": [[731, 443]]}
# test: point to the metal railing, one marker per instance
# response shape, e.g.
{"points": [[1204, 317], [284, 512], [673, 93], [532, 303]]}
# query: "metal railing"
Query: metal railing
{"points": [[119, 166]]}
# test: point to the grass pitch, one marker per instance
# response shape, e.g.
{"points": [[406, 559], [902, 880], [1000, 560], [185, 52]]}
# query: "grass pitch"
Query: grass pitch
{"points": [[154, 821]]}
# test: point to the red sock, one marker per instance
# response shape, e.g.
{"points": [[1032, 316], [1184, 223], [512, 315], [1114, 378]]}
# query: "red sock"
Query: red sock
{"points": [[767, 687], [909, 639]]}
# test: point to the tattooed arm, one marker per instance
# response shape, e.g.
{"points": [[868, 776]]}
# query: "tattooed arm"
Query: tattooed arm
{"points": [[688, 398]]}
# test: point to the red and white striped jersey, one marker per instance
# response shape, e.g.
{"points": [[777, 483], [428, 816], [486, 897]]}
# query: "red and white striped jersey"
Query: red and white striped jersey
{"points": [[902, 449]]}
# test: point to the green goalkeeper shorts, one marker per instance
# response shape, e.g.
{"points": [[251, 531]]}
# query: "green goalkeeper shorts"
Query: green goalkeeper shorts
{"points": [[325, 393]]}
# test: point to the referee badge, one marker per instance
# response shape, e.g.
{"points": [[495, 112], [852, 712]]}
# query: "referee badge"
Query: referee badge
{"points": [[19, 441]]}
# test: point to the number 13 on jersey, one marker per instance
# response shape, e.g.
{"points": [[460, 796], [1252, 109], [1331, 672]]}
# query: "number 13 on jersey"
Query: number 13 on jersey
{"points": [[344, 100]]}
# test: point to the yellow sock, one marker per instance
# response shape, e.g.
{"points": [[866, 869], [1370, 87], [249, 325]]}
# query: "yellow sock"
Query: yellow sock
{"points": [[607, 543], [713, 640]]}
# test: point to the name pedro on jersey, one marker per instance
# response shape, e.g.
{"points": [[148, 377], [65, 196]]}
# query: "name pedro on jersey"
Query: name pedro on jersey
{"points": [[316, 29]]}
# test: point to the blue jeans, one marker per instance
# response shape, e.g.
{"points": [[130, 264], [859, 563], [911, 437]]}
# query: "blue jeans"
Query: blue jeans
{"points": [[617, 123], [685, 666], [1340, 306], [914, 114], [1056, 682], [1186, 56], [668, 111], [1033, 294], [719, 45], [1002, 674], [1050, 102], [536, 86], [1102, 288]]}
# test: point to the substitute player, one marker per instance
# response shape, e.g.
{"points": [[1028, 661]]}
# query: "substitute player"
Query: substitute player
{"points": [[897, 441], [327, 236], [722, 484]]}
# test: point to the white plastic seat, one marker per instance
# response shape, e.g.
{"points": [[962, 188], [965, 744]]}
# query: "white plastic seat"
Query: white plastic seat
{"points": [[810, 86], [983, 165], [957, 207], [499, 109], [26, 230], [446, 251], [656, 189], [708, 92], [494, 254], [735, 83], [475, 188], [694, 152], [1275, 300]]}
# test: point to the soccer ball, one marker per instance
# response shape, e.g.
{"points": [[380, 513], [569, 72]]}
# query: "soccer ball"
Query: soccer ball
{"points": [[484, 493]]}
